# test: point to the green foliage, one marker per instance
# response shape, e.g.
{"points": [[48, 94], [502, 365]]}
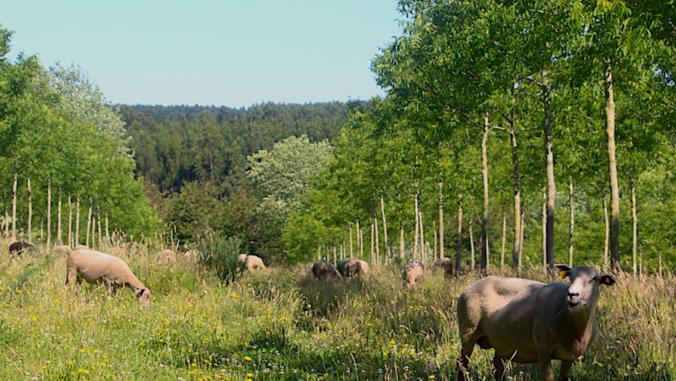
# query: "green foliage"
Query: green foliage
{"points": [[219, 254], [195, 211], [55, 126]]}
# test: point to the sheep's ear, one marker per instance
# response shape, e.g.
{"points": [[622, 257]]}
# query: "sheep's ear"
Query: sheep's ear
{"points": [[607, 280], [140, 293], [564, 271]]}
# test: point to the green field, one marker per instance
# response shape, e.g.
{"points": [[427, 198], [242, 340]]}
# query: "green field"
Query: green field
{"points": [[281, 325]]}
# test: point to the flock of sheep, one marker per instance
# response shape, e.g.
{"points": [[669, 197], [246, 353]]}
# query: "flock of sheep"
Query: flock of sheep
{"points": [[523, 320]]}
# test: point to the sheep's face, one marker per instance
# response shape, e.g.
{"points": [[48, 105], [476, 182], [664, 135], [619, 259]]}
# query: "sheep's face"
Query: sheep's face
{"points": [[584, 285], [143, 297]]}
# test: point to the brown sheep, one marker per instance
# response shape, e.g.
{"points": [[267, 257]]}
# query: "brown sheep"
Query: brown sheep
{"points": [[445, 264], [352, 267], [530, 322], [167, 256], [413, 273], [100, 268], [19, 247], [323, 270]]}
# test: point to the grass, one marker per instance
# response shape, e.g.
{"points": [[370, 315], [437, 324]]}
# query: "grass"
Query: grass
{"points": [[281, 325]]}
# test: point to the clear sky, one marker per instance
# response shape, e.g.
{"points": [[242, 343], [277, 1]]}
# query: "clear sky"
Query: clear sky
{"points": [[230, 52]]}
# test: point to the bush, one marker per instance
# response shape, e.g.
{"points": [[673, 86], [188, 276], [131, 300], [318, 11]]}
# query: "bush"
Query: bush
{"points": [[219, 254]]}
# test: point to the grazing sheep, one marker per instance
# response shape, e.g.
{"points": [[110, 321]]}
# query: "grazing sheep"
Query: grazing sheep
{"points": [[530, 322], [445, 264], [97, 267], [413, 273], [252, 263], [352, 267], [19, 247], [167, 256], [241, 260], [323, 270]]}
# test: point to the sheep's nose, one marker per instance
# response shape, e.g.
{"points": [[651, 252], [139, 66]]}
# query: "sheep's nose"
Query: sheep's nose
{"points": [[571, 295]]}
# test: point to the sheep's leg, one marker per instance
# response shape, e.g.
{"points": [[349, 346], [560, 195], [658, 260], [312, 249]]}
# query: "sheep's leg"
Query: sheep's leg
{"points": [[71, 274], [499, 364], [547, 370], [564, 375], [463, 361]]}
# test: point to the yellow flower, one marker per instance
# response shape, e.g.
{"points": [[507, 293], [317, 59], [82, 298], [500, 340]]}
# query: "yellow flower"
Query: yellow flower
{"points": [[247, 358], [393, 342], [431, 377], [249, 375]]}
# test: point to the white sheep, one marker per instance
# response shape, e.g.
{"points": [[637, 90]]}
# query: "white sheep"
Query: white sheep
{"points": [[413, 273], [530, 322], [100, 268], [167, 256], [252, 263]]}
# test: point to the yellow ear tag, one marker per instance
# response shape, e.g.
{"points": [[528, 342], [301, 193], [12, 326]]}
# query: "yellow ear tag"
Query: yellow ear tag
{"points": [[563, 274]]}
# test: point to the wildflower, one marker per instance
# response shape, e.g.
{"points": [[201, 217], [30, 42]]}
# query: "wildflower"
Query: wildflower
{"points": [[247, 358], [431, 377], [393, 342]]}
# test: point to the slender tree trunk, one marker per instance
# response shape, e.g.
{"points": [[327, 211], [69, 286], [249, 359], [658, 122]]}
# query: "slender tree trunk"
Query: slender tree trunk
{"points": [[523, 229], [98, 220], [94, 246], [49, 212], [334, 256], [471, 246], [416, 233], [402, 243], [107, 231], [544, 233], [77, 221], [551, 184], [319, 253], [375, 225], [504, 241], [434, 250], [423, 247], [351, 252], [612, 171], [441, 221], [14, 210], [458, 238], [89, 221], [484, 175], [634, 229], [516, 248], [58, 221], [386, 250], [6, 223], [373, 242], [606, 241], [360, 248], [70, 222], [30, 211], [571, 229]]}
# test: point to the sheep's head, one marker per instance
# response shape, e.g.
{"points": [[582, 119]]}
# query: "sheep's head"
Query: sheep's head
{"points": [[63, 249], [143, 296], [583, 291]]}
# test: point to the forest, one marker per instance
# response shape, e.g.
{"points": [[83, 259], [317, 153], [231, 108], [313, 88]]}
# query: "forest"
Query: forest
{"points": [[512, 138]]}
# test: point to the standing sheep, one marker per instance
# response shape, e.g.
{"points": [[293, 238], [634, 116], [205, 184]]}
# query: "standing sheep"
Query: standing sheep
{"points": [[251, 262], [352, 267], [323, 270], [530, 322], [97, 267], [445, 264], [413, 273], [167, 256], [19, 247]]}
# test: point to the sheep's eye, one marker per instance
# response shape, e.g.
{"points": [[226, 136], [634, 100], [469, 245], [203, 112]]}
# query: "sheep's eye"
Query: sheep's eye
{"points": [[596, 278]]}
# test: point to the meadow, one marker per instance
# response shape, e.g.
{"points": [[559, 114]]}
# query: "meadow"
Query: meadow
{"points": [[280, 324]]}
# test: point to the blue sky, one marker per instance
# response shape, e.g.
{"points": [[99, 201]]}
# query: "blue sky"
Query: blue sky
{"points": [[230, 52]]}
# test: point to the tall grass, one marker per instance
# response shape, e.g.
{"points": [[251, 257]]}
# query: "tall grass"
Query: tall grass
{"points": [[280, 324]]}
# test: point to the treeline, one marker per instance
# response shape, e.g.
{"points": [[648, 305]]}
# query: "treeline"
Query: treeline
{"points": [[59, 141], [214, 169], [525, 133], [175, 145]]}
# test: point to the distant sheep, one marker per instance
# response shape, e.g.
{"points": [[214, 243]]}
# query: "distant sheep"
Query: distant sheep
{"points": [[413, 273], [352, 267], [19, 247], [167, 256], [250, 262], [100, 268], [324, 270], [445, 264], [530, 322]]}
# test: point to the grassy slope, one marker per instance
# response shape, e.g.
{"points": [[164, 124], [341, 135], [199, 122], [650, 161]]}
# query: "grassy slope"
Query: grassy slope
{"points": [[279, 324]]}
